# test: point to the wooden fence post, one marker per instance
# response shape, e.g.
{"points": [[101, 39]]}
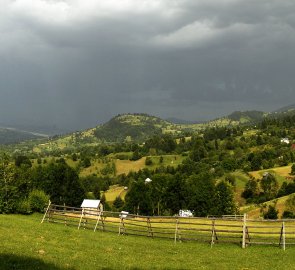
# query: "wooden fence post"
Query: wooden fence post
{"points": [[149, 226], [176, 230], [98, 218], [121, 226], [283, 237], [213, 233], [244, 231], [47, 209], [82, 214]]}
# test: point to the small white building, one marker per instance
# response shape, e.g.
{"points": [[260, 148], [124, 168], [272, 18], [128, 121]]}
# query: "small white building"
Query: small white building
{"points": [[285, 140], [148, 180], [124, 214], [91, 207]]}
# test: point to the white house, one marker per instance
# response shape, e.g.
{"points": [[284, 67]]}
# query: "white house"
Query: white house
{"points": [[285, 140], [148, 180]]}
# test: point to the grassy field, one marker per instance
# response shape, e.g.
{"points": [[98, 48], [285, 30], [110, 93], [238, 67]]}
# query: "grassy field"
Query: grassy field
{"points": [[280, 173], [126, 166], [113, 192], [27, 244], [253, 211]]}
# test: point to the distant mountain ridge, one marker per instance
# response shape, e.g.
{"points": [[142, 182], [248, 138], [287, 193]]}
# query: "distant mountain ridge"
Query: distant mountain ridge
{"points": [[138, 127], [10, 135], [285, 109]]}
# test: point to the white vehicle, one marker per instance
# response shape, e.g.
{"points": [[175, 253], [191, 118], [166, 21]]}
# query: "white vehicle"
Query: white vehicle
{"points": [[185, 213]]}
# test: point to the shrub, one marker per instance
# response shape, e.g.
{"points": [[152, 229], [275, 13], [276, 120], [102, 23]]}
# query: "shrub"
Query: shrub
{"points": [[288, 214], [148, 161], [271, 213], [24, 207], [38, 200], [118, 203]]}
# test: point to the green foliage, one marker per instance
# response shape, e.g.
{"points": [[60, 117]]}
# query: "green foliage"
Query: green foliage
{"points": [[74, 157], [163, 144], [38, 200], [148, 161], [269, 185], [85, 162], [293, 169], [231, 179], [60, 182], [224, 199], [136, 155], [271, 213], [96, 192], [290, 204], [202, 194], [251, 190], [9, 193], [23, 160], [118, 203], [24, 207], [138, 199], [110, 168]]}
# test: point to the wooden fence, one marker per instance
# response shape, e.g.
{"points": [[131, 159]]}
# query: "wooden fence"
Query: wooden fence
{"points": [[235, 229]]}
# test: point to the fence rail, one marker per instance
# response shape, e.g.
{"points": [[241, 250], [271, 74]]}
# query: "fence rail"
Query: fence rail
{"points": [[213, 230]]}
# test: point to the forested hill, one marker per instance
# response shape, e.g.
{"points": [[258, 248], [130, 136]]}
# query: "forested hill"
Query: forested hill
{"points": [[9, 136], [134, 127], [247, 116], [138, 127]]}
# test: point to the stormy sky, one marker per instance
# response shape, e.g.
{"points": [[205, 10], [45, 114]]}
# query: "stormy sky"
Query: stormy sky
{"points": [[77, 63]]}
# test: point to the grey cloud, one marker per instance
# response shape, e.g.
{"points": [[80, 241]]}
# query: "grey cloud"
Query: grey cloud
{"points": [[77, 63]]}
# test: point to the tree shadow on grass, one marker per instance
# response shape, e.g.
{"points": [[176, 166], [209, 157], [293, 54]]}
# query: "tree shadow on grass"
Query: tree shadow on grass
{"points": [[14, 262]]}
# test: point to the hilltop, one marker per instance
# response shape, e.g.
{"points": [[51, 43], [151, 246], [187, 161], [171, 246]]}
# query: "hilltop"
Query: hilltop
{"points": [[134, 127]]}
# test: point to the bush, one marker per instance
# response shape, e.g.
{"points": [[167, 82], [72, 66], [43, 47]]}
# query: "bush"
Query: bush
{"points": [[118, 203], [288, 214], [148, 161], [24, 207], [271, 213], [38, 200]]}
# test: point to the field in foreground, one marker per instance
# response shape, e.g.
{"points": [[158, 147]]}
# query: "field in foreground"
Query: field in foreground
{"points": [[27, 244]]}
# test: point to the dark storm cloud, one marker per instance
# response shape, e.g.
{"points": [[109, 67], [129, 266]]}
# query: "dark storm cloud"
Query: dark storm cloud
{"points": [[77, 63]]}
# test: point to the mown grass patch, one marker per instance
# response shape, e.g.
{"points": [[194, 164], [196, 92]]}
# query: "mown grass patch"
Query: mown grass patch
{"points": [[115, 191], [126, 166], [281, 173], [27, 244]]}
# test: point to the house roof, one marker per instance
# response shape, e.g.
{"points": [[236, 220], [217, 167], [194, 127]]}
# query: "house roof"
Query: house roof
{"points": [[90, 203], [148, 180]]}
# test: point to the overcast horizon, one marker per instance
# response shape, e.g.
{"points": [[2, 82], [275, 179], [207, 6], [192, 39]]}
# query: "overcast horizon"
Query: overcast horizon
{"points": [[75, 64]]}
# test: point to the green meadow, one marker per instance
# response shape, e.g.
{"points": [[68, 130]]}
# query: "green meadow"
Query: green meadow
{"points": [[27, 244]]}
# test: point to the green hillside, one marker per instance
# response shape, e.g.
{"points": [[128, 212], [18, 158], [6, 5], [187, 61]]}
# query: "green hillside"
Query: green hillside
{"points": [[133, 127]]}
